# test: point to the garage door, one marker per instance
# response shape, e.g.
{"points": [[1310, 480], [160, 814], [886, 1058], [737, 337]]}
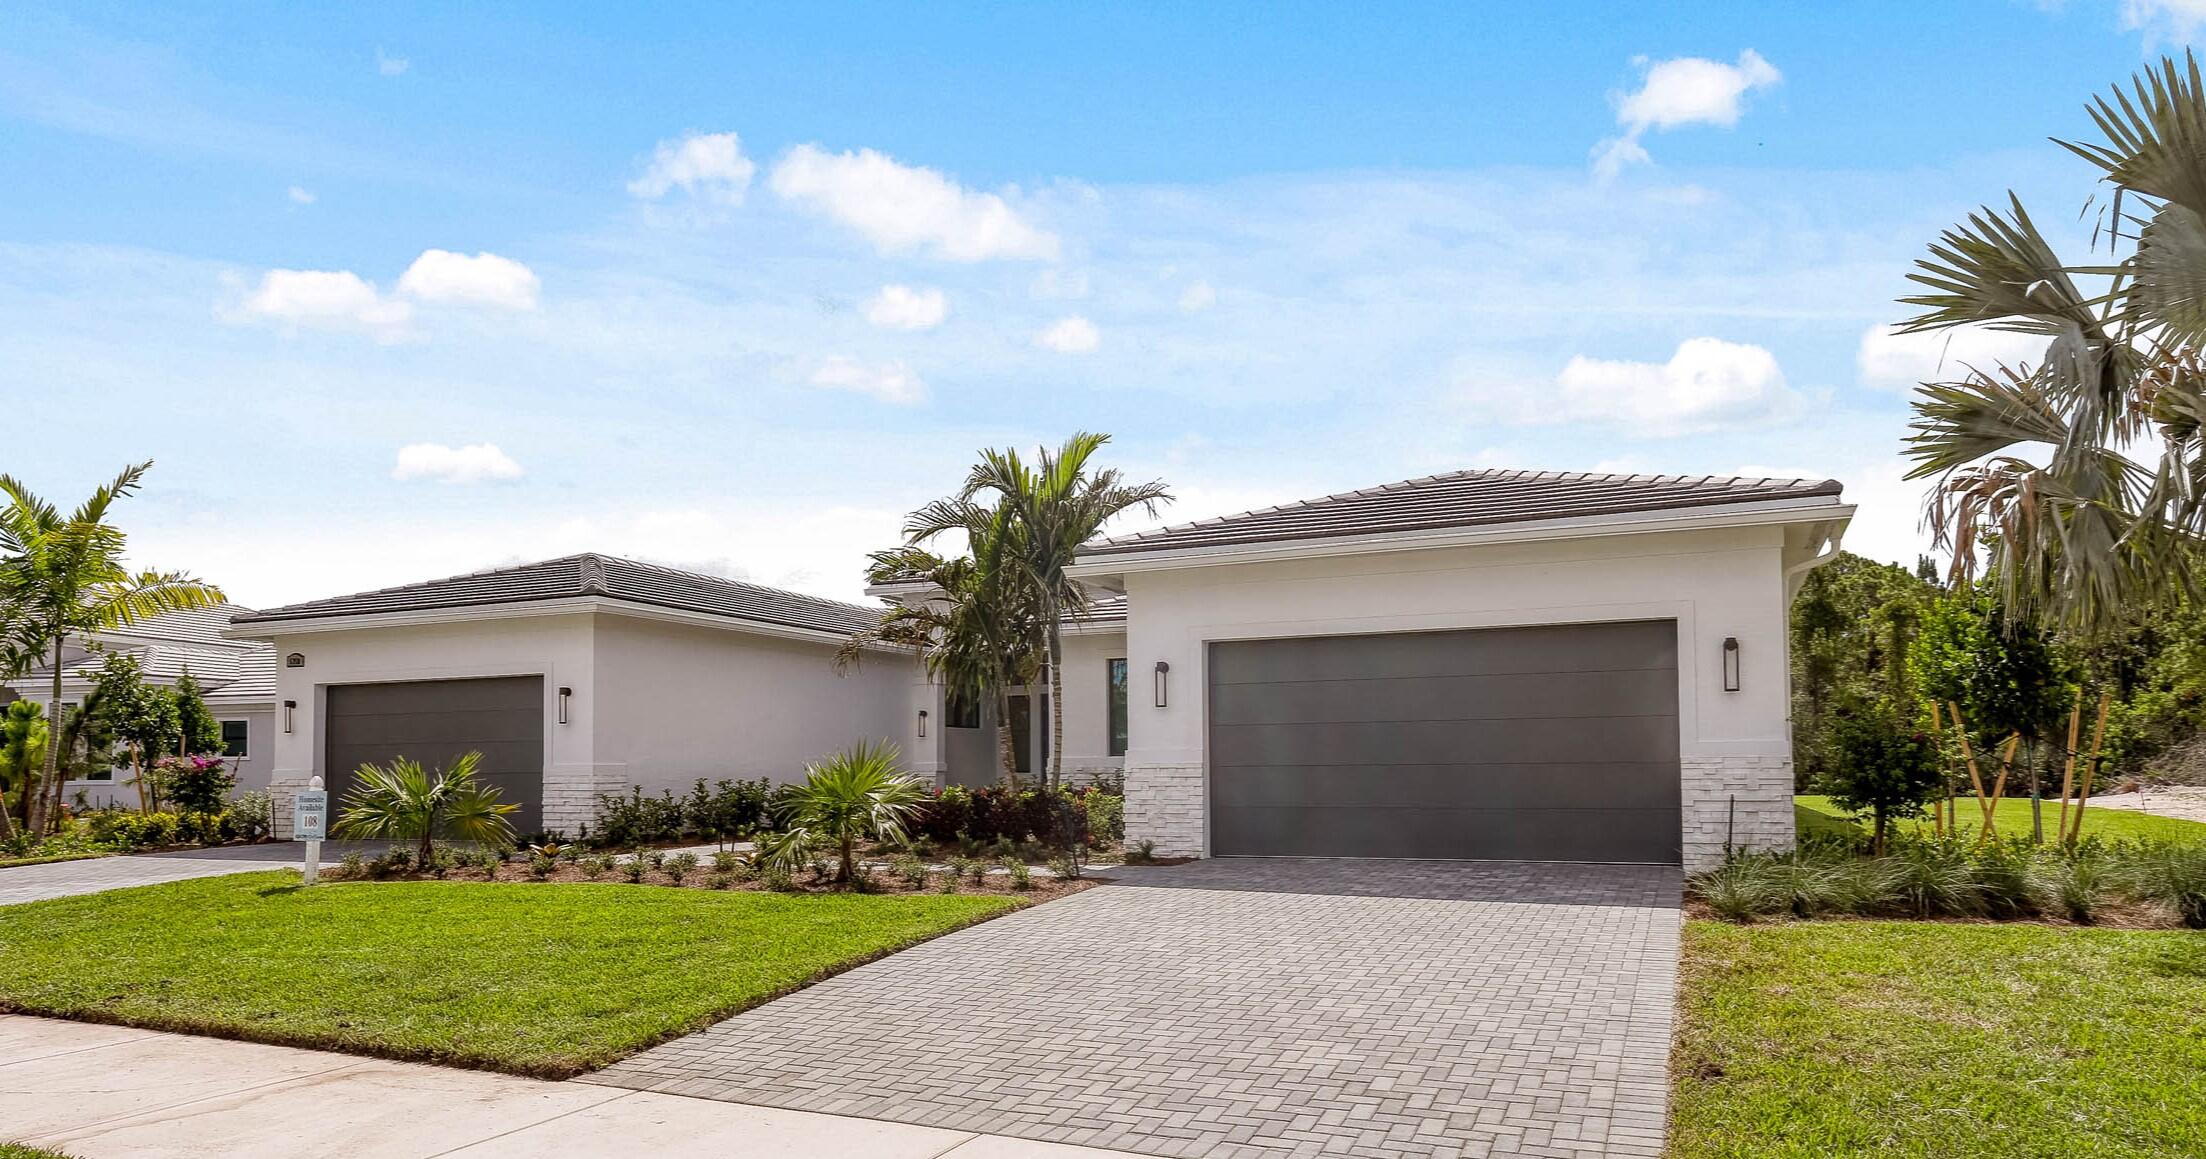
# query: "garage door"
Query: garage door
{"points": [[436, 721], [1552, 743]]}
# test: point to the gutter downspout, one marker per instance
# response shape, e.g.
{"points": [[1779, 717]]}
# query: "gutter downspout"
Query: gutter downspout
{"points": [[1797, 574]]}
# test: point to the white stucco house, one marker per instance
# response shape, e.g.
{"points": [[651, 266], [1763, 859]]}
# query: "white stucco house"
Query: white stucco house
{"points": [[1485, 664]]}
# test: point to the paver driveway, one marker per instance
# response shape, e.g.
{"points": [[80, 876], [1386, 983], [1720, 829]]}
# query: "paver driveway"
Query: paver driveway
{"points": [[1249, 1007]]}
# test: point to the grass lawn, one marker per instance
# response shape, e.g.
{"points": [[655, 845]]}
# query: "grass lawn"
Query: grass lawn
{"points": [[19, 1151], [2013, 817], [536, 979], [1816, 1039]]}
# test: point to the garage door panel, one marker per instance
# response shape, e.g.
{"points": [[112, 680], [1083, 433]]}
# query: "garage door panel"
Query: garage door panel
{"points": [[1555, 742], [436, 722], [1511, 651], [1497, 834], [1543, 741], [1645, 785], [1633, 692]]}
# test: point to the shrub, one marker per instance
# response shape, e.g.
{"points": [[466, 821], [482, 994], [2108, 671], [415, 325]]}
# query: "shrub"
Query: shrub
{"points": [[541, 862], [1933, 878], [354, 865], [2074, 885], [1881, 767], [2173, 876], [251, 812], [2001, 871], [864, 881], [633, 870], [1143, 852], [1739, 890], [441, 861], [730, 809], [635, 820], [776, 878], [947, 883], [194, 784], [202, 829], [679, 866], [726, 861], [1066, 868], [1021, 877], [720, 879], [596, 866], [490, 860], [910, 868], [1106, 815], [852, 796]]}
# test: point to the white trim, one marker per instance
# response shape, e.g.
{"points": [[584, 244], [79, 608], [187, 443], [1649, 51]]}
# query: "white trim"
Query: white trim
{"points": [[572, 605], [1771, 513]]}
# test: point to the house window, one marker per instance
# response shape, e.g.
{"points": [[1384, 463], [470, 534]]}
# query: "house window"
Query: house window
{"points": [[234, 737], [962, 711], [1118, 707]]}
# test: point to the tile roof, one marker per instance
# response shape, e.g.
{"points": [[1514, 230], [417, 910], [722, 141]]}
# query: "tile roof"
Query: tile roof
{"points": [[591, 574], [1472, 498]]}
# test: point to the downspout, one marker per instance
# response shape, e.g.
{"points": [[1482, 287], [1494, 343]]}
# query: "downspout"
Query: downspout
{"points": [[1797, 574]]}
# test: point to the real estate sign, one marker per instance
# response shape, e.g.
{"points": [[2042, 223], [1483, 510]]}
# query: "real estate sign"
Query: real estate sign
{"points": [[310, 815]]}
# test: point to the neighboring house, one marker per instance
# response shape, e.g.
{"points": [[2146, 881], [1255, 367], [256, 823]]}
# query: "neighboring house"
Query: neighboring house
{"points": [[237, 679], [574, 677], [1486, 664]]}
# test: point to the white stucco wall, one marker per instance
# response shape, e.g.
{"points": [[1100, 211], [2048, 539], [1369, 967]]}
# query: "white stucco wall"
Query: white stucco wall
{"points": [[1714, 584], [1087, 704], [677, 702]]}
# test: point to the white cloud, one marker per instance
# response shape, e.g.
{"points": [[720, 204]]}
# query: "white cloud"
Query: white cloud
{"points": [[391, 65], [299, 195], [324, 299], [473, 463], [904, 308], [2174, 21], [1708, 384], [482, 280], [1058, 284], [887, 381], [705, 165], [1687, 90], [1198, 296], [1895, 361], [1070, 335], [908, 209]]}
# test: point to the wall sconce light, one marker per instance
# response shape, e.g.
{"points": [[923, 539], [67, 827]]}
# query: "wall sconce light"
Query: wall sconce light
{"points": [[922, 722], [1730, 663], [565, 694], [1164, 675], [288, 705]]}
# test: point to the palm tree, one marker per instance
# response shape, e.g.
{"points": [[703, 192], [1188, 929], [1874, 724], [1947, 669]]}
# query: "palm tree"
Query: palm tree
{"points": [[406, 802], [1049, 509], [973, 628], [62, 575], [2030, 459], [855, 795]]}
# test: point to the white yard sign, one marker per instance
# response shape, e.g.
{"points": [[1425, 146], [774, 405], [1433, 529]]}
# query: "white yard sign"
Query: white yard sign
{"points": [[310, 823]]}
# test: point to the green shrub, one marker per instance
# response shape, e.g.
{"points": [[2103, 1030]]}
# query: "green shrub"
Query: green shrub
{"points": [[720, 879], [542, 863], [679, 866], [910, 868], [947, 883], [1106, 816], [194, 784], [1739, 890], [596, 866], [1933, 878], [2074, 885], [251, 813], [1143, 852], [1022, 878], [1066, 868], [777, 879], [2173, 876], [727, 861], [633, 820], [354, 865], [441, 861], [2002, 873], [633, 869]]}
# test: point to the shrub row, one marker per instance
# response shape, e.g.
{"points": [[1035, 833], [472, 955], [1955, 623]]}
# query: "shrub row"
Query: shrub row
{"points": [[992, 814], [738, 810], [1953, 877], [729, 810]]}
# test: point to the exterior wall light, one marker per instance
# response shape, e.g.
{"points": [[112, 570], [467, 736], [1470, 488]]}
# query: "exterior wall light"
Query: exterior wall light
{"points": [[1730, 663], [922, 722], [1164, 678], [565, 694], [288, 705]]}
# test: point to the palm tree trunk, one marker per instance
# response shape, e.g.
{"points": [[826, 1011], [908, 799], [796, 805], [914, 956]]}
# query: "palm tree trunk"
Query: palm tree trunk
{"points": [[35, 813], [1007, 746], [1056, 697]]}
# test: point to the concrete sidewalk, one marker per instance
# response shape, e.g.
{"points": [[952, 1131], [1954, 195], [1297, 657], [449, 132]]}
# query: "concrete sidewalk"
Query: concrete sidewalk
{"points": [[105, 1092]]}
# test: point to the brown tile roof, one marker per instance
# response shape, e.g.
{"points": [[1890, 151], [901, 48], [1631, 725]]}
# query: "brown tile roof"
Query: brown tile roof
{"points": [[1472, 498], [591, 574]]}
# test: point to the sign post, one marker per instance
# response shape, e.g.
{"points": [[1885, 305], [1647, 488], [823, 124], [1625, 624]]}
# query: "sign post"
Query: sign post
{"points": [[310, 823]]}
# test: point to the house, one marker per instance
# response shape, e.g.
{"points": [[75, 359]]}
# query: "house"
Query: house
{"points": [[236, 678], [1485, 664], [573, 677]]}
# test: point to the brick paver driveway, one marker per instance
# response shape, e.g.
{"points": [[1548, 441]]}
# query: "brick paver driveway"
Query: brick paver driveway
{"points": [[1249, 1007], [96, 874]]}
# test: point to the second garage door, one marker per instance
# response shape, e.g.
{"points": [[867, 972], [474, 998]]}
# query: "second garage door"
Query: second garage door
{"points": [[1555, 743], [435, 722]]}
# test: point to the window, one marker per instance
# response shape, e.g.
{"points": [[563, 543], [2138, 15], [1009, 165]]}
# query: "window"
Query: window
{"points": [[234, 737], [962, 711], [1118, 707]]}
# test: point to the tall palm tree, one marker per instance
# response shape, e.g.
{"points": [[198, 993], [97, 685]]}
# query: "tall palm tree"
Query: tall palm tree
{"points": [[1051, 507], [2031, 460], [62, 575]]}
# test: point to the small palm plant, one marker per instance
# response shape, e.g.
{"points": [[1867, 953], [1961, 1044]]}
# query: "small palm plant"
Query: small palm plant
{"points": [[856, 794], [408, 803]]}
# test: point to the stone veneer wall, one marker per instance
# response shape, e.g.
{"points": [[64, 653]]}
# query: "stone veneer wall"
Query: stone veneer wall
{"points": [[1164, 804], [1745, 799]]}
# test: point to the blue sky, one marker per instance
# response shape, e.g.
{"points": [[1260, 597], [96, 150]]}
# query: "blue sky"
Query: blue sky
{"points": [[398, 291]]}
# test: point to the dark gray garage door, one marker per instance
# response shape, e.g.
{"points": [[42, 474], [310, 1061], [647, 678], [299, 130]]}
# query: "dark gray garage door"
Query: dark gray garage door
{"points": [[436, 721], [1551, 743]]}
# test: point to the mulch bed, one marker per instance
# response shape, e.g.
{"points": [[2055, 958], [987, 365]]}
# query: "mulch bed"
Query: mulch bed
{"points": [[996, 882]]}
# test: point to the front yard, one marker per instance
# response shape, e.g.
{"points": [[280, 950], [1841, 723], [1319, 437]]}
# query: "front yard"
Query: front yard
{"points": [[2012, 818], [1859, 1038], [547, 980]]}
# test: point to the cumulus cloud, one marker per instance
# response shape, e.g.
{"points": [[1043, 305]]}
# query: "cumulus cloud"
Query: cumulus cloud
{"points": [[391, 65], [482, 280], [1070, 335], [324, 300], [907, 209], [1198, 296], [1895, 361], [473, 463], [1687, 90], [2175, 21], [1708, 384], [904, 308], [299, 195], [709, 166], [887, 381]]}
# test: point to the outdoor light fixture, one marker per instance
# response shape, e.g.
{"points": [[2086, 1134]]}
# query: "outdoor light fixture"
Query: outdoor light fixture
{"points": [[288, 705], [1730, 663], [922, 722], [564, 693], [1164, 673]]}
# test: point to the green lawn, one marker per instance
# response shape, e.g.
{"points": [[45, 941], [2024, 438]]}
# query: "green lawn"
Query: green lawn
{"points": [[1819, 1039], [19, 1151], [2013, 817], [531, 978]]}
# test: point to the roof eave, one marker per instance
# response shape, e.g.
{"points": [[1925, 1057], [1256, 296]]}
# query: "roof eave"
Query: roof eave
{"points": [[1103, 567], [268, 629]]}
